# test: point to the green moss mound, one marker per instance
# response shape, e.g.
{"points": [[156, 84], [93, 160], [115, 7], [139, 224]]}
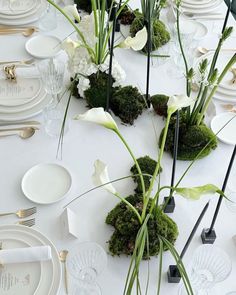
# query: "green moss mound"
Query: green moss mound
{"points": [[147, 166], [159, 103], [160, 35], [127, 225], [127, 103], [192, 139], [96, 95], [87, 6], [127, 16]]}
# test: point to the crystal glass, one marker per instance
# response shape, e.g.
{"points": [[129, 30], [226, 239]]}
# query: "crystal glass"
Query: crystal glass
{"points": [[85, 288], [209, 266], [52, 74], [48, 19]]}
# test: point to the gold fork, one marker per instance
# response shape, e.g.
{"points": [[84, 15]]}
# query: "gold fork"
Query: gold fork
{"points": [[18, 62], [29, 222], [22, 213]]}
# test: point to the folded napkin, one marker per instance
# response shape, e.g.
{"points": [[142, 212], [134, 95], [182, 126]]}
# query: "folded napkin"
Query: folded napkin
{"points": [[22, 255], [24, 72]]}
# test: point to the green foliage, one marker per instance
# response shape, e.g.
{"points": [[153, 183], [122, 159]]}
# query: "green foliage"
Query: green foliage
{"points": [[192, 139], [159, 103], [147, 166], [96, 95], [87, 6], [127, 103], [160, 36], [127, 225]]}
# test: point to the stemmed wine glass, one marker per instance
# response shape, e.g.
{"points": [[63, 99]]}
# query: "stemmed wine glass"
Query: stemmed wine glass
{"points": [[85, 262], [52, 75], [210, 265]]}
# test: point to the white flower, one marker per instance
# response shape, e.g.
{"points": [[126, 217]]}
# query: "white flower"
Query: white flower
{"points": [[101, 176], [83, 85], [100, 117], [177, 102], [72, 12], [70, 47], [137, 42]]}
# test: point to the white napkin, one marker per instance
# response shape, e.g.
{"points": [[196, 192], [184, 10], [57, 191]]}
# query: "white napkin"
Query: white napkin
{"points": [[22, 255], [24, 72]]}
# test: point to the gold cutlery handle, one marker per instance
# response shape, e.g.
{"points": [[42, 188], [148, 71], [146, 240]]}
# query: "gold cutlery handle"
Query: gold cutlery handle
{"points": [[66, 278], [6, 214]]}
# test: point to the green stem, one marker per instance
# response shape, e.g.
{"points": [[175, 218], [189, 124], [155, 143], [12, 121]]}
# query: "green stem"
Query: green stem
{"points": [[135, 161], [227, 67]]}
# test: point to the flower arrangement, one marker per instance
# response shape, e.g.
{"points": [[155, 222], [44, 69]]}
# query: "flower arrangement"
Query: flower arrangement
{"points": [[142, 229], [194, 134]]}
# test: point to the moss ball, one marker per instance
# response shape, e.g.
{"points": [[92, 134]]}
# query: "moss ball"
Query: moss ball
{"points": [[96, 95], [160, 35], [86, 5], [159, 103], [127, 16], [127, 226], [127, 103], [192, 139], [147, 166]]}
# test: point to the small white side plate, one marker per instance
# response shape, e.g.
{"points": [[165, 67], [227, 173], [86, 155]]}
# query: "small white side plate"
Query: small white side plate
{"points": [[227, 134], [43, 46], [46, 183]]}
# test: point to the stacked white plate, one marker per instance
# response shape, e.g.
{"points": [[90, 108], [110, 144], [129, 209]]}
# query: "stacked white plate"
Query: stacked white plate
{"points": [[23, 99], [200, 6], [226, 91], [38, 278], [21, 12]]}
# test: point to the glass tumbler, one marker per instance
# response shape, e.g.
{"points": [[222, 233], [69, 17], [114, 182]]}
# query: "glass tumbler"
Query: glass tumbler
{"points": [[48, 19], [52, 75]]}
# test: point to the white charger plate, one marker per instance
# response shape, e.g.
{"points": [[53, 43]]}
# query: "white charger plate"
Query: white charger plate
{"points": [[227, 92], [228, 133], [24, 14], [224, 97], [43, 46], [37, 109], [50, 279], [16, 7], [27, 19], [198, 2], [199, 5], [199, 10], [46, 183]]}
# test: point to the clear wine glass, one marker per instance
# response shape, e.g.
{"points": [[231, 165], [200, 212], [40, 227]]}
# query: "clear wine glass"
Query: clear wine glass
{"points": [[52, 75], [85, 262], [209, 266]]}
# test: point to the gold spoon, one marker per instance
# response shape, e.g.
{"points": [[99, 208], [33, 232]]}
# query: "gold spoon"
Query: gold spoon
{"points": [[204, 50], [24, 133], [25, 32], [17, 62], [62, 256]]}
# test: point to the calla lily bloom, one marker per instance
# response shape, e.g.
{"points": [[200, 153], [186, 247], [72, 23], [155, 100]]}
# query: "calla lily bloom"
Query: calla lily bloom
{"points": [[101, 176], [137, 42], [100, 117], [72, 12], [177, 102], [70, 46]]}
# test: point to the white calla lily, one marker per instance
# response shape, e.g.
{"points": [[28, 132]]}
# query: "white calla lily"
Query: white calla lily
{"points": [[100, 117], [72, 12], [137, 42], [101, 176], [70, 46], [177, 102]]}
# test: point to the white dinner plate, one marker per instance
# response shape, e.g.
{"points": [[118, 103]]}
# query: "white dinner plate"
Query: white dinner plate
{"points": [[25, 19], [31, 103], [26, 13], [196, 2], [20, 93], [43, 46], [46, 183], [227, 92], [225, 98], [19, 7], [228, 133], [37, 109], [199, 5], [50, 271]]}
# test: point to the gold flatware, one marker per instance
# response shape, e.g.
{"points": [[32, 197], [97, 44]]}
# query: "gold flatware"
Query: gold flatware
{"points": [[27, 32], [29, 222], [3, 124], [23, 132], [204, 50], [230, 108], [22, 213], [18, 62], [233, 80], [62, 256]]}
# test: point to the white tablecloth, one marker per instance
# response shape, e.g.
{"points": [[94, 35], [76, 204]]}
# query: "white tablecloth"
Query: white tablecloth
{"points": [[83, 144]]}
